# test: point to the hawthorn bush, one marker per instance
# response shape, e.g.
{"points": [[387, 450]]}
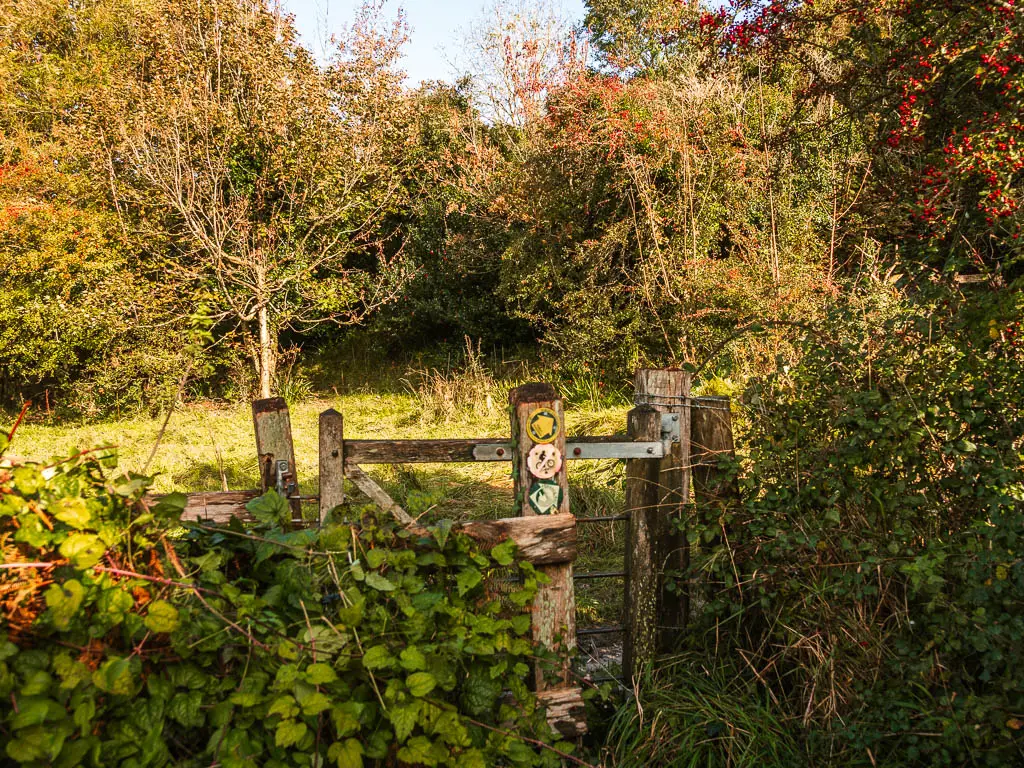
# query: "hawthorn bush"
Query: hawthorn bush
{"points": [[129, 640]]}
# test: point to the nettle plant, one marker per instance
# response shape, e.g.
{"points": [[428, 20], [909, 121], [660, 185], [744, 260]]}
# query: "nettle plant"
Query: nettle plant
{"points": [[128, 639]]}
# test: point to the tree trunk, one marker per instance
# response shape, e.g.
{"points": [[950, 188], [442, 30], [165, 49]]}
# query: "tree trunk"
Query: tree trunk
{"points": [[268, 354]]}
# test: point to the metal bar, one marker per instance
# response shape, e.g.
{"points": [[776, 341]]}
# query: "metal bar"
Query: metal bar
{"points": [[602, 518], [598, 631], [598, 574]]}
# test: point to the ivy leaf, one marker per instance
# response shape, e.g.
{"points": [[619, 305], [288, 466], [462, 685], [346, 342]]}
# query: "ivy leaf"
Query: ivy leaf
{"points": [[379, 583], [289, 732], [162, 617], [375, 557], [82, 549], [64, 600], [72, 511], [347, 754], [503, 553], [467, 579], [377, 657]]}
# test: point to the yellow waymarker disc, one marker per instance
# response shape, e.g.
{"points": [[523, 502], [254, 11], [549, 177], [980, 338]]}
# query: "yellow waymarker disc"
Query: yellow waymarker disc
{"points": [[542, 426]]}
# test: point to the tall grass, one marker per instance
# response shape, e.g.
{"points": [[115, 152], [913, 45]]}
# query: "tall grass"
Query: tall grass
{"points": [[693, 715]]}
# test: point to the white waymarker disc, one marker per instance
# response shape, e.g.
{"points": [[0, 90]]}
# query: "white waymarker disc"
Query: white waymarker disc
{"points": [[544, 461]]}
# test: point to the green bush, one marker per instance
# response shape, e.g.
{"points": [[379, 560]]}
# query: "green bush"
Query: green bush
{"points": [[129, 640], [871, 574]]}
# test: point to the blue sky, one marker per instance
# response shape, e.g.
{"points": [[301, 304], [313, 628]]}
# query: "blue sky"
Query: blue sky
{"points": [[434, 39]]}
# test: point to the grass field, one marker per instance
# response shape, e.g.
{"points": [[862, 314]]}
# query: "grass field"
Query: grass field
{"points": [[207, 446]]}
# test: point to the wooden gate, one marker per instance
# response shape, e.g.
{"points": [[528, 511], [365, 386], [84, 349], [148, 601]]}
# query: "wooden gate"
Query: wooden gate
{"points": [[672, 443]]}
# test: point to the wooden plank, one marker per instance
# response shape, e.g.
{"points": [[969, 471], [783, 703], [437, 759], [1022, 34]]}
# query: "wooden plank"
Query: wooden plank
{"points": [[643, 496], [542, 539], [554, 607], [447, 451], [566, 712], [273, 428], [668, 391], [414, 451], [332, 462], [214, 506], [376, 494]]}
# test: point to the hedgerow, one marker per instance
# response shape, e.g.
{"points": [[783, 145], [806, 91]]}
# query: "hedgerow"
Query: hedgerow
{"points": [[870, 578], [131, 639]]}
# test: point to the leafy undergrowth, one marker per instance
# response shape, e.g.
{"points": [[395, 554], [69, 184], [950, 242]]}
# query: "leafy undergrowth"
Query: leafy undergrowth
{"points": [[129, 640]]}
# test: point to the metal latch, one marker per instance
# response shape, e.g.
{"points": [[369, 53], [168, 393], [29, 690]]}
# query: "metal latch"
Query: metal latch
{"points": [[284, 480]]}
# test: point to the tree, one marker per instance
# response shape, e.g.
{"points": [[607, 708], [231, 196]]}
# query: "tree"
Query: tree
{"points": [[269, 173]]}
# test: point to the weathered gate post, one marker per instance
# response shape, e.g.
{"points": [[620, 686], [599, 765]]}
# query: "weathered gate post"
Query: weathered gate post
{"points": [[541, 487], [332, 461], [274, 449], [643, 494], [668, 392]]}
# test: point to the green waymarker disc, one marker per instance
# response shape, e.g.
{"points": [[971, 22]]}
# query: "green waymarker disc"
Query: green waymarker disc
{"points": [[545, 497]]}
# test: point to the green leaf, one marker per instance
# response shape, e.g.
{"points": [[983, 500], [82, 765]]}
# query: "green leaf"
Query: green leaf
{"points": [[171, 506], [471, 758], [82, 549], [161, 617], [345, 717], [420, 683], [467, 579], [285, 706], [270, 508], [72, 511], [418, 750], [186, 708], [375, 557], [320, 673], [403, 717], [289, 732], [412, 659], [315, 704], [441, 531], [64, 600], [31, 745], [377, 657], [28, 480], [114, 604], [480, 694], [378, 582], [347, 754], [115, 676], [503, 554]]}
